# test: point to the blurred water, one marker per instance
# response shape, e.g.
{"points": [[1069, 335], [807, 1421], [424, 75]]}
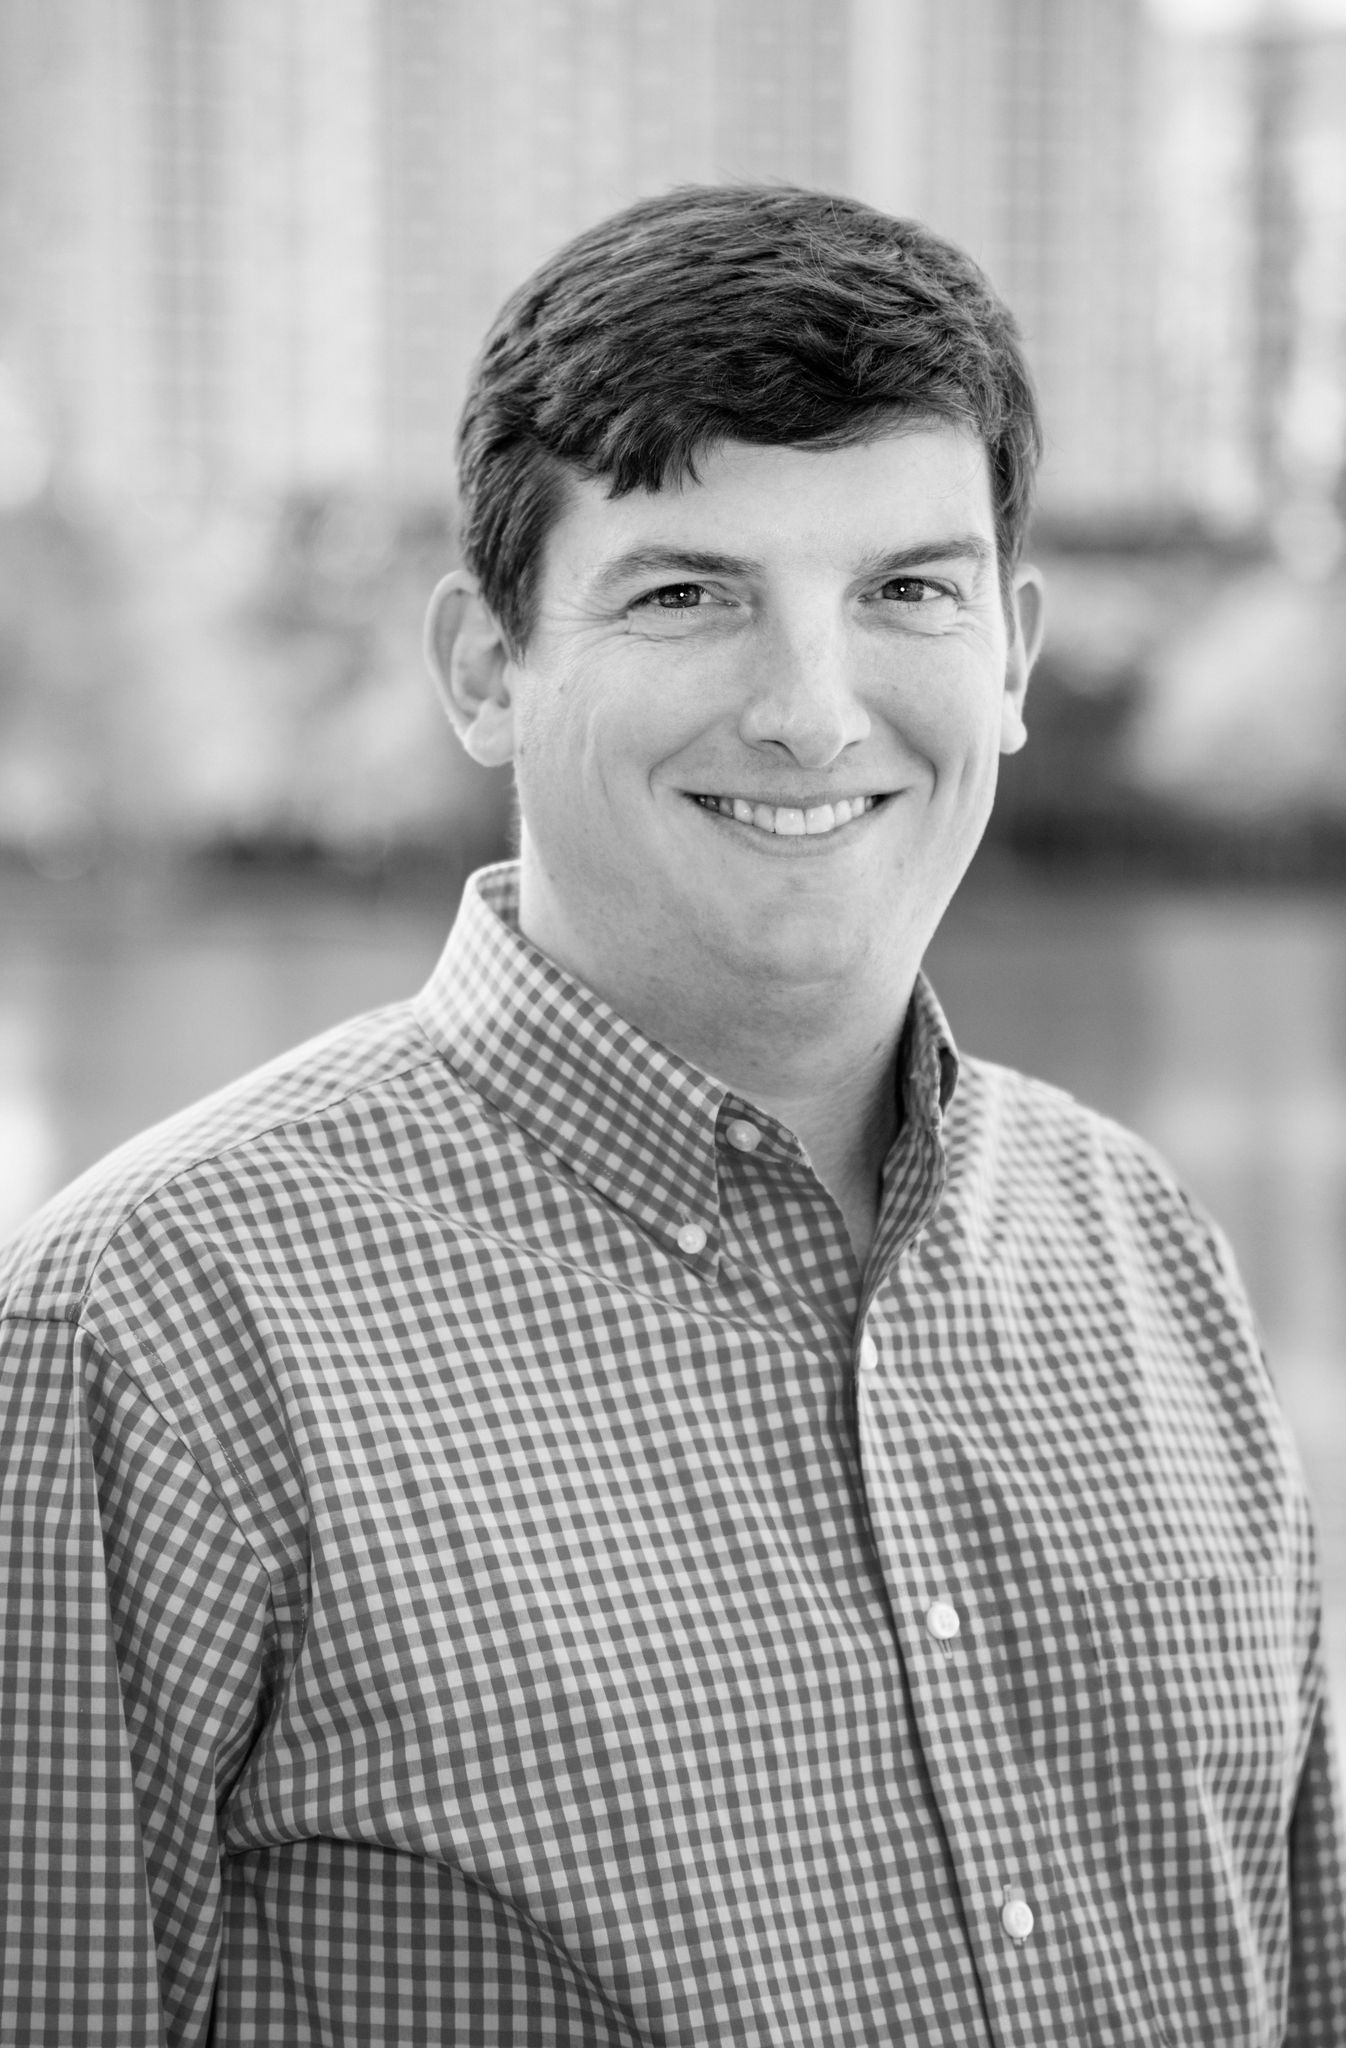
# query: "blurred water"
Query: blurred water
{"points": [[1214, 1023]]}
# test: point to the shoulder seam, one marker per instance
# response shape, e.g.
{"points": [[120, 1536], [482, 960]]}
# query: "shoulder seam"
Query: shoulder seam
{"points": [[123, 1370], [97, 1253], [120, 1366], [222, 1152]]}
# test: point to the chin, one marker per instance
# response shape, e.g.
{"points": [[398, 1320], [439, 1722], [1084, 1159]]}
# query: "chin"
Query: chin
{"points": [[773, 948]]}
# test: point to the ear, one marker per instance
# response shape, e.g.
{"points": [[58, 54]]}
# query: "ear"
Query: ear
{"points": [[471, 665], [1028, 617]]}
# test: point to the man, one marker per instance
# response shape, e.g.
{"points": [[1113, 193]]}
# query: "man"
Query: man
{"points": [[639, 1498]]}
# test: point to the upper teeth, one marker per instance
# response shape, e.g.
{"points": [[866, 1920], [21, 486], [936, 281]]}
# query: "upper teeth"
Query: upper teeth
{"points": [[789, 822]]}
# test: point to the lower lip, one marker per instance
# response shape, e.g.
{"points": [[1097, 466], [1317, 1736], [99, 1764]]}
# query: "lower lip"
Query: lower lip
{"points": [[791, 842]]}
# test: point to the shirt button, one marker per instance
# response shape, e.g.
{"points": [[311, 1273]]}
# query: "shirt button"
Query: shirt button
{"points": [[869, 1353], [691, 1238], [1016, 1917], [943, 1620], [743, 1136]]}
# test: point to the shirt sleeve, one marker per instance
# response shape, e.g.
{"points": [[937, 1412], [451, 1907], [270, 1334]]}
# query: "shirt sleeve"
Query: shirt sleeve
{"points": [[1317, 1840], [1318, 1897], [134, 1680]]}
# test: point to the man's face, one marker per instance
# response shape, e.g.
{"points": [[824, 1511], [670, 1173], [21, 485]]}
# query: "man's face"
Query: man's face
{"points": [[757, 724]]}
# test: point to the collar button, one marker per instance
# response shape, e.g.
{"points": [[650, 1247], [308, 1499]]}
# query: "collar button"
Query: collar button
{"points": [[743, 1136], [691, 1239]]}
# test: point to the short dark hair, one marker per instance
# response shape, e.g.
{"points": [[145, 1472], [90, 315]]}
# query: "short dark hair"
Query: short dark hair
{"points": [[766, 314]]}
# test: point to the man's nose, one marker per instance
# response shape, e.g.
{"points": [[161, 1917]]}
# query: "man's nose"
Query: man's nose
{"points": [[803, 698]]}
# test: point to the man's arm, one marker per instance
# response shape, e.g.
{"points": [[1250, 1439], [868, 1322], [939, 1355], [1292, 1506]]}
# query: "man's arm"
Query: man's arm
{"points": [[135, 1638], [1318, 1896]]}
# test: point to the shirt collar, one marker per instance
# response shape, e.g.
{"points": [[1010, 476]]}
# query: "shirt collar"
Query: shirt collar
{"points": [[627, 1116], [928, 1059], [630, 1118]]}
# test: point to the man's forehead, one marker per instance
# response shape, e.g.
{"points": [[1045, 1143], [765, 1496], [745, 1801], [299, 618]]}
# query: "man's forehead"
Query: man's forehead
{"points": [[924, 487]]}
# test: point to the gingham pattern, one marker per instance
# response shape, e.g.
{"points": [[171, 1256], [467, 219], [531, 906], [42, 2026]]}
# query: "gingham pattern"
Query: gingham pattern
{"points": [[442, 1610]]}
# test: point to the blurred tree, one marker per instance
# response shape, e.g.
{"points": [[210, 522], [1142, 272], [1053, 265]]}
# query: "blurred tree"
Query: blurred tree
{"points": [[252, 678], [66, 674]]}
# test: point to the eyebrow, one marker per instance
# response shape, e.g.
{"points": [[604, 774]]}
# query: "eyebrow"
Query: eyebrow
{"points": [[953, 547], [669, 562], [688, 562]]}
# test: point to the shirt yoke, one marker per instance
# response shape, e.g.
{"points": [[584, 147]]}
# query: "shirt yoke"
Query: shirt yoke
{"points": [[49, 1267]]}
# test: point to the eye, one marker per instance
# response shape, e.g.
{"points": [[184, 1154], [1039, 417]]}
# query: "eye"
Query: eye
{"points": [[674, 597], [911, 590]]}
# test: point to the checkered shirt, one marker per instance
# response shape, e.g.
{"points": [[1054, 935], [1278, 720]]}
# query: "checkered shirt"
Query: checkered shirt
{"points": [[486, 1566]]}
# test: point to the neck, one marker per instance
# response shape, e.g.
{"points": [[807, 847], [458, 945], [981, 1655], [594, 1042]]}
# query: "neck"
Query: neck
{"points": [[818, 1057], [845, 1117], [829, 1079]]}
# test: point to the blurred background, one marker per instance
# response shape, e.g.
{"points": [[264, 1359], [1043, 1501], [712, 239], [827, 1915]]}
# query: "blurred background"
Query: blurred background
{"points": [[247, 250]]}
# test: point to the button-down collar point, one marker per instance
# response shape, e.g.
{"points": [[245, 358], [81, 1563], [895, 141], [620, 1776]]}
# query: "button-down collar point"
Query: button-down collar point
{"points": [[624, 1115]]}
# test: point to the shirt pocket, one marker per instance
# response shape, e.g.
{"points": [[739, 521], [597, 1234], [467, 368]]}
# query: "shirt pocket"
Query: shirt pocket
{"points": [[1197, 1688]]}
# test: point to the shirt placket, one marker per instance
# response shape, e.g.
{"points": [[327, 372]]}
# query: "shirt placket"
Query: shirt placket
{"points": [[779, 1224], [1015, 1905]]}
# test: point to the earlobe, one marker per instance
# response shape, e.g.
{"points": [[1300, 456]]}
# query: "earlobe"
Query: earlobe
{"points": [[1029, 618], [467, 656]]}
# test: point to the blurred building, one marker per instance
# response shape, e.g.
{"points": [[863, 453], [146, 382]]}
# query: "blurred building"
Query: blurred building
{"points": [[1252, 167], [506, 128], [252, 244], [1025, 129], [255, 242]]}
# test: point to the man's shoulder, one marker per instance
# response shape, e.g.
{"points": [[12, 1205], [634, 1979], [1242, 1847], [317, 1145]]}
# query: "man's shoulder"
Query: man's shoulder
{"points": [[1043, 1185], [47, 1268], [992, 1090], [1038, 1154], [1023, 1112]]}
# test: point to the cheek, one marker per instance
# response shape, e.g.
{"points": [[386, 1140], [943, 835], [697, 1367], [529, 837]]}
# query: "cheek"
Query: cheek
{"points": [[950, 727], [965, 706], [571, 761], [547, 733], [615, 741]]}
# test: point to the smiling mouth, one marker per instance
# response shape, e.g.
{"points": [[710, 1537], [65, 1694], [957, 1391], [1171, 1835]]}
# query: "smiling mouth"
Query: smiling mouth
{"points": [[789, 821]]}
